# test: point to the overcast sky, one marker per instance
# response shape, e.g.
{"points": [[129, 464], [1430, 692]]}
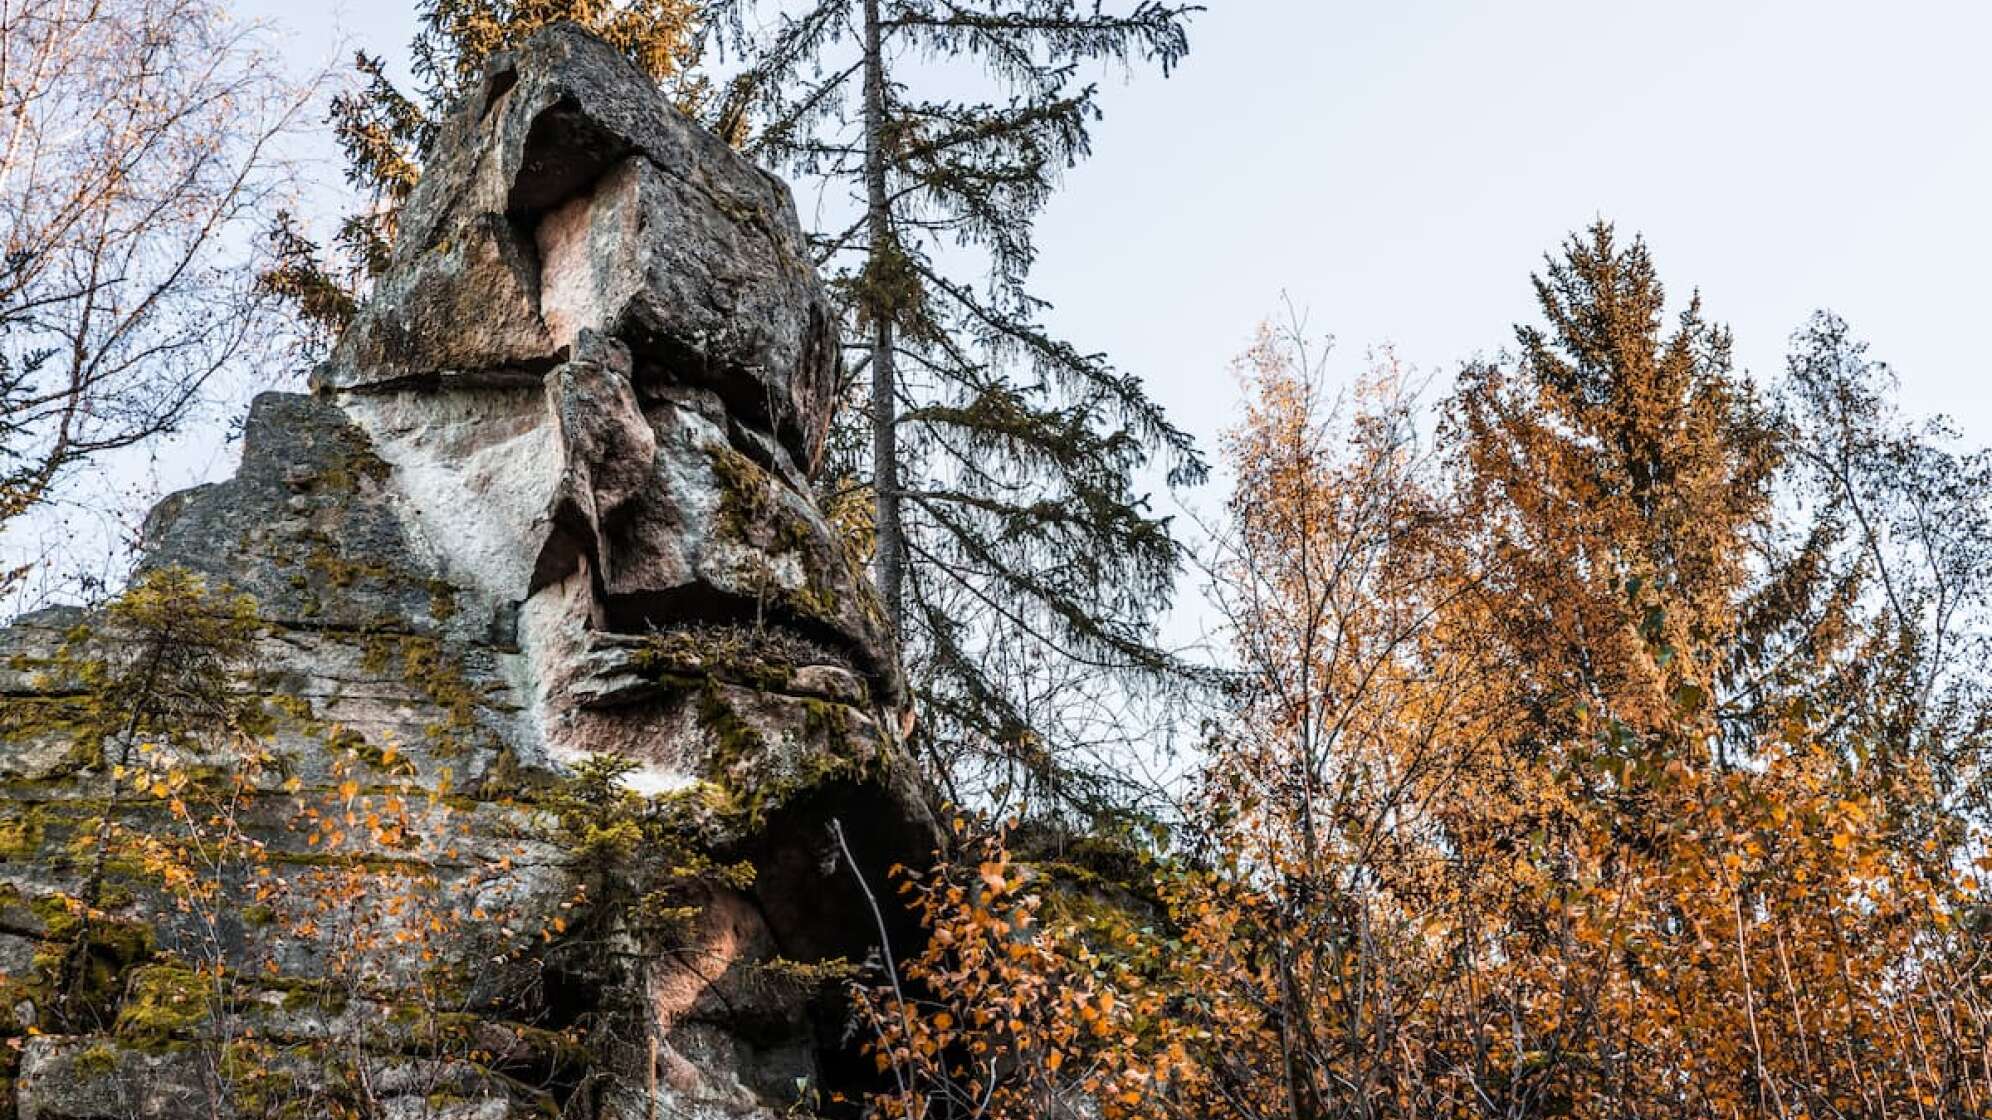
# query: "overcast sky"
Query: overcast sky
{"points": [[1398, 169]]}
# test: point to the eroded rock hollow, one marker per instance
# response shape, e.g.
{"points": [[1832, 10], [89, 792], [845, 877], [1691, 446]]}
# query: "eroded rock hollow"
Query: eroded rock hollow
{"points": [[475, 751]]}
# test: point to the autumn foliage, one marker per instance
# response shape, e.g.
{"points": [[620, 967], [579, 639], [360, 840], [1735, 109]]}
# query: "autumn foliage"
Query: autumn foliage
{"points": [[1607, 741]]}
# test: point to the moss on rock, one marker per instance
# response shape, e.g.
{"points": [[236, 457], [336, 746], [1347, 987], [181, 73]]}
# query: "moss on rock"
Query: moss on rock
{"points": [[164, 1001]]}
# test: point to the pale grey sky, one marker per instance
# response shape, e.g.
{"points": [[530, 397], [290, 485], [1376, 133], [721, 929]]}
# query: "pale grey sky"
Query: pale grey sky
{"points": [[1398, 169]]}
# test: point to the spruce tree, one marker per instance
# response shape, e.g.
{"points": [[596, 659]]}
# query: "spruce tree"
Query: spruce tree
{"points": [[1619, 470], [995, 466]]}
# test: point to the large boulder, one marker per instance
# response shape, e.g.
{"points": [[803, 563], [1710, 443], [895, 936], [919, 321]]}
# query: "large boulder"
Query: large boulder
{"points": [[511, 735]]}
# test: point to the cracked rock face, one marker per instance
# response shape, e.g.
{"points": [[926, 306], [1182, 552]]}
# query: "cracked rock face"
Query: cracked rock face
{"points": [[549, 500], [569, 196], [603, 363]]}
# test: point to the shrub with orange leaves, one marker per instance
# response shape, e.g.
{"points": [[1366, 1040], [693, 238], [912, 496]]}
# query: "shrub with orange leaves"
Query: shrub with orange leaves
{"points": [[1013, 1008]]}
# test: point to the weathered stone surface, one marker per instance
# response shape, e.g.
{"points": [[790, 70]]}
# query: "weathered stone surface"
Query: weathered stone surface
{"points": [[306, 526], [571, 195], [548, 502]]}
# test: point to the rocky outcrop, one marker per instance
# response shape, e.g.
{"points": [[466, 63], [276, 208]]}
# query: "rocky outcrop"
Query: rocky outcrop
{"points": [[475, 750]]}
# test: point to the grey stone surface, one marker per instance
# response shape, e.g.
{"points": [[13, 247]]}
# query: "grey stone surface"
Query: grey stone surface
{"points": [[548, 501], [570, 194]]}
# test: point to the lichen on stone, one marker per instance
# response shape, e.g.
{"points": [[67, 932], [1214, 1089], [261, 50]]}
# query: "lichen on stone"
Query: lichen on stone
{"points": [[390, 839]]}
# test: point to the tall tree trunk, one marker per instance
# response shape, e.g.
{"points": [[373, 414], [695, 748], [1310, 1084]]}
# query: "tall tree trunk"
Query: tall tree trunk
{"points": [[890, 562]]}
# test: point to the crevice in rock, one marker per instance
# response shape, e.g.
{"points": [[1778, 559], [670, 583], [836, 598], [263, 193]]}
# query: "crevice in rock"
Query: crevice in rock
{"points": [[562, 1001], [501, 74], [565, 152], [701, 604], [660, 359], [816, 911], [523, 375]]}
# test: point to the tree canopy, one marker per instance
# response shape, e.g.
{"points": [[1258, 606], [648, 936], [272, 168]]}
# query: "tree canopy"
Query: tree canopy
{"points": [[1611, 748], [140, 154]]}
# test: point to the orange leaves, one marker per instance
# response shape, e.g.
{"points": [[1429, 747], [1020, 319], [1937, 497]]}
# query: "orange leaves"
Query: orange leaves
{"points": [[1530, 804], [993, 877], [1022, 1013]]}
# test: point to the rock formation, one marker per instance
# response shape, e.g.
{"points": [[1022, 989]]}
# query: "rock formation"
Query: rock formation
{"points": [[355, 850]]}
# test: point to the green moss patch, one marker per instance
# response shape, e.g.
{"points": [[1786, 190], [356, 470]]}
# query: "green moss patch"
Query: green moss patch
{"points": [[165, 1001]]}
